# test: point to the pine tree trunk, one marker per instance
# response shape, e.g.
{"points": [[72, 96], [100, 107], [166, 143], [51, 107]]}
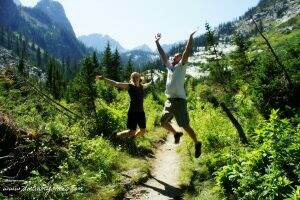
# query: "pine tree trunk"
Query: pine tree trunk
{"points": [[233, 120], [290, 84], [235, 123]]}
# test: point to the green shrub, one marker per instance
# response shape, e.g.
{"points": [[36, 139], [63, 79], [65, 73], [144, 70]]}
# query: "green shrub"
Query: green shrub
{"points": [[271, 169]]}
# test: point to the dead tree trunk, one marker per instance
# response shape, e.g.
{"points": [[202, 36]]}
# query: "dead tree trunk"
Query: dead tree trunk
{"points": [[235, 123], [275, 56], [232, 119]]}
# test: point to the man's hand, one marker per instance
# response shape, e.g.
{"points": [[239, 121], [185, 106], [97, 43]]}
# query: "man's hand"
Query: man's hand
{"points": [[157, 37], [161, 52], [99, 77]]}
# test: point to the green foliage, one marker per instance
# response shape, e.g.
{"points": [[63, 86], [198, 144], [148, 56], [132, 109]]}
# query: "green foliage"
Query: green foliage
{"points": [[82, 89], [111, 121], [82, 161], [270, 89], [270, 170], [239, 61], [106, 92], [296, 194], [77, 163]]}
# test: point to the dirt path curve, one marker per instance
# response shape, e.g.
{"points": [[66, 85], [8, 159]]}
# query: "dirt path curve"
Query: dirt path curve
{"points": [[163, 183]]}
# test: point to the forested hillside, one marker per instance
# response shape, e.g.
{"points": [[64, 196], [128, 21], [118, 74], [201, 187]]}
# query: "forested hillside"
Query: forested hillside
{"points": [[41, 27], [58, 124]]}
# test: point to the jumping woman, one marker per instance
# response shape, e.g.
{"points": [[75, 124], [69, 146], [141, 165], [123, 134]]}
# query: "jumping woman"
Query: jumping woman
{"points": [[136, 114]]}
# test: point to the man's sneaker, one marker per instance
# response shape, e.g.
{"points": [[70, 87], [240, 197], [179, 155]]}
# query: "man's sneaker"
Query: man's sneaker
{"points": [[177, 137], [198, 149]]}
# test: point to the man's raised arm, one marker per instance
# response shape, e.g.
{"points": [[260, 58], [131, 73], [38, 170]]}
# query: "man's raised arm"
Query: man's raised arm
{"points": [[161, 52], [185, 55]]}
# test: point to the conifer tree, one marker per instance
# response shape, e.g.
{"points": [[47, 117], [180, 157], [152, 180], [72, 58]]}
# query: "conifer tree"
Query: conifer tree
{"points": [[218, 73], [97, 66], [54, 78], [38, 57], [219, 76], [2, 32], [17, 48], [21, 65], [107, 61], [45, 58], [128, 69], [89, 79], [239, 61], [116, 66]]}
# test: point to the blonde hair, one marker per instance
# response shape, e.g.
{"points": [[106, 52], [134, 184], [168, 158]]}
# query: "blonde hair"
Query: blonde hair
{"points": [[134, 74]]}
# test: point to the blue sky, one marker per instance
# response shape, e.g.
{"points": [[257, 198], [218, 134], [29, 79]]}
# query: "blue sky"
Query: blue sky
{"points": [[135, 22]]}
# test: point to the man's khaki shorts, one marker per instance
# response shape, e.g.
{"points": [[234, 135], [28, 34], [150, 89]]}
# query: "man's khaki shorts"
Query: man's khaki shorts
{"points": [[175, 107]]}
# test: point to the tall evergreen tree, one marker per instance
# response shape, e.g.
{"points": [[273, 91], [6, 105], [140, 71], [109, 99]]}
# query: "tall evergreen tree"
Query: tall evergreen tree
{"points": [[82, 89], [45, 58], [89, 77], [128, 69], [211, 43], [107, 61], [2, 32], [54, 78], [116, 65], [24, 49], [38, 57], [239, 61], [8, 40], [218, 73], [23, 57], [97, 66], [21, 65], [18, 49]]}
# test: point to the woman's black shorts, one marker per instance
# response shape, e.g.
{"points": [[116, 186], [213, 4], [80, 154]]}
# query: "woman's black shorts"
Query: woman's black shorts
{"points": [[136, 118]]}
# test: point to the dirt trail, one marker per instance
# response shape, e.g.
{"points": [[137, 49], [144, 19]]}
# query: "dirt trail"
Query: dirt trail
{"points": [[163, 183]]}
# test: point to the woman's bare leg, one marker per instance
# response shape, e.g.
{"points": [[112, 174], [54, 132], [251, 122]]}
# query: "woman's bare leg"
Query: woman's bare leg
{"points": [[126, 133], [140, 132]]}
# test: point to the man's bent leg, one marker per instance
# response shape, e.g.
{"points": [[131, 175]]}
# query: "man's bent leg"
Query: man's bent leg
{"points": [[182, 118], [166, 117], [169, 127], [191, 132]]}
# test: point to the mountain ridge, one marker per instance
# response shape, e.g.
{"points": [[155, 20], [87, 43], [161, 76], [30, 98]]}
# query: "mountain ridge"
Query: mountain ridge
{"points": [[99, 42], [55, 11], [40, 28]]}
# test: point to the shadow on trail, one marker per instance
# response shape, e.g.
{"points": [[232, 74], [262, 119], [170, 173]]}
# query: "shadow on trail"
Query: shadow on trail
{"points": [[169, 190], [130, 146]]}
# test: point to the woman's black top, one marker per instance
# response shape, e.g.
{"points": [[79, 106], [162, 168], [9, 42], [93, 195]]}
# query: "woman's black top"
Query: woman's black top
{"points": [[136, 94]]}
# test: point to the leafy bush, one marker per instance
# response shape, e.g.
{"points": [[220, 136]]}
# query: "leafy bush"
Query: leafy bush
{"points": [[111, 121], [271, 169]]}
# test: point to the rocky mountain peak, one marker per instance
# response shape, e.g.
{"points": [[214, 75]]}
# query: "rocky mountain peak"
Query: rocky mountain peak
{"points": [[55, 11]]}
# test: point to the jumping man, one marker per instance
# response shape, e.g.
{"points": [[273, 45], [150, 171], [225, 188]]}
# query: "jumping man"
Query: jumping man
{"points": [[176, 105]]}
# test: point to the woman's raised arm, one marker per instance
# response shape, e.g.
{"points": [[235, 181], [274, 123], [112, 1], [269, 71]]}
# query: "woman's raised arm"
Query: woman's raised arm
{"points": [[113, 83]]}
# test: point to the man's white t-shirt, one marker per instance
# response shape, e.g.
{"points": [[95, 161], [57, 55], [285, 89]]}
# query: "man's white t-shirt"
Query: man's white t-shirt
{"points": [[175, 81]]}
